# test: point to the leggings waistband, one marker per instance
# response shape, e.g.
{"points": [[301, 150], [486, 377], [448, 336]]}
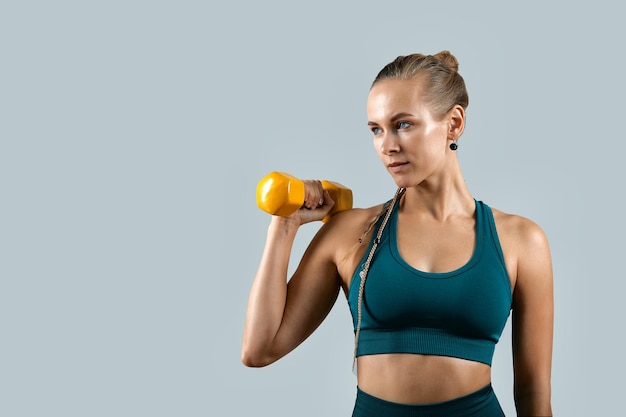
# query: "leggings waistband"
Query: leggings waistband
{"points": [[479, 403]]}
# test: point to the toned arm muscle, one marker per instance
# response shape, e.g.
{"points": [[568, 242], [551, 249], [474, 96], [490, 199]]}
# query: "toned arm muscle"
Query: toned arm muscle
{"points": [[533, 315], [281, 314]]}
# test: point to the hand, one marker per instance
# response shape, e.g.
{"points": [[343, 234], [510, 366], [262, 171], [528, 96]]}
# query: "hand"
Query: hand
{"points": [[317, 203]]}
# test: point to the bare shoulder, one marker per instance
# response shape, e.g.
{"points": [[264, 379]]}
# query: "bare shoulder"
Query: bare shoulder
{"points": [[518, 229], [525, 248], [351, 225], [345, 237]]}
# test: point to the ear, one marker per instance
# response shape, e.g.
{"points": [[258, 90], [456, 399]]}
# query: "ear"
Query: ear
{"points": [[456, 122]]}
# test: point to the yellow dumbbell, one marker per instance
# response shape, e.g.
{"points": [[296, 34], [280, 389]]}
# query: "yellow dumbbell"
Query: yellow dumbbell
{"points": [[282, 194]]}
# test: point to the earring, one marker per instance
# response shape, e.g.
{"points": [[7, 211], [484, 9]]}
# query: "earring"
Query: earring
{"points": [[454, 146]]}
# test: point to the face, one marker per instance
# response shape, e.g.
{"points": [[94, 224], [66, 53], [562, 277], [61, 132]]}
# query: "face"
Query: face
{"points": [[410, 140]]}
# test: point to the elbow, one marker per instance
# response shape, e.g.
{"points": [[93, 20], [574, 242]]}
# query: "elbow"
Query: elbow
{"points": [[534, 401], [253, 362], [254, 359]]}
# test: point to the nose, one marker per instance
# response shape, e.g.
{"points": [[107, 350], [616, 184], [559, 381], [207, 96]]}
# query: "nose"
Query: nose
{"points": [[388, 144]]}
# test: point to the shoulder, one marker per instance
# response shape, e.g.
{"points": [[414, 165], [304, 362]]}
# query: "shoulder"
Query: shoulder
{"points": [[353, 222], [525, 247], [518, 229], [344, 232]]}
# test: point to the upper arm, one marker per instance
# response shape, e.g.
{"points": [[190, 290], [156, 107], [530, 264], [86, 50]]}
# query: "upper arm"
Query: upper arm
{"points": [[533, 315], [311, 292]]}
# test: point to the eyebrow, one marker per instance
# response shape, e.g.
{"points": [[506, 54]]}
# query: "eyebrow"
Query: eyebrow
{"points": [[394, 118]]}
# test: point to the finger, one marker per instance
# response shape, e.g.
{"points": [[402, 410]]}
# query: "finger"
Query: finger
{"points": [[314, 194], [327, 200]]}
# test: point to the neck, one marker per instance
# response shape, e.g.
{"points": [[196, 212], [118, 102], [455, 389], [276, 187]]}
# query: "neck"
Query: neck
{"points": [[439, 198]]}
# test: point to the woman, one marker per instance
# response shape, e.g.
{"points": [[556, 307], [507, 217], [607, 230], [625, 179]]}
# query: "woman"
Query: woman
{"points": [[430, 276]]}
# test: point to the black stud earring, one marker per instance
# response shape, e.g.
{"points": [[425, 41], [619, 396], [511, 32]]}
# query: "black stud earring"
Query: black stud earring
{"points": [[454, 146]]}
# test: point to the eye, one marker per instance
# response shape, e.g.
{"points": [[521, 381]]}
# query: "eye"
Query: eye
{"points": [[376, 130], [403, 125]]}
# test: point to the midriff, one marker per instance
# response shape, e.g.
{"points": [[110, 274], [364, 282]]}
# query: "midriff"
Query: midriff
{"points": [[420, 379]]}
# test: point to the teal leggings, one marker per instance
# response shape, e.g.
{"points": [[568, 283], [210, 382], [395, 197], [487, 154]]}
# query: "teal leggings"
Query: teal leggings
{"points": [[481, 403]]}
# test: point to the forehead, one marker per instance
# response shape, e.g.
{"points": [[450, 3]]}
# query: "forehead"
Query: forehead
{"points": [[389, 97]]}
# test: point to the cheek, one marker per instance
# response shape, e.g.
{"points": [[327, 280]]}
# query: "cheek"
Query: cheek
{"points": [[436, 142]]}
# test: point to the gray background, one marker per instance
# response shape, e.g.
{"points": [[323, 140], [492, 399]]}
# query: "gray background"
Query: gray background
{"points": [[133, 134]]}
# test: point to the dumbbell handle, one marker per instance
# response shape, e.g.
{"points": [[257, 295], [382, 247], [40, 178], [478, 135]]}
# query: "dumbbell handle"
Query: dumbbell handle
{"points": [[282, 194]]}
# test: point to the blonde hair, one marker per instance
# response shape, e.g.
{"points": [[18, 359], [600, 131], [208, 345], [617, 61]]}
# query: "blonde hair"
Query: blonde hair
{"points": [[444, 86]]}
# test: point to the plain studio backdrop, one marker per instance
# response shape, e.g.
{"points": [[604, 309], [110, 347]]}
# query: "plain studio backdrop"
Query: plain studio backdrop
{"points": [[133, 134]]}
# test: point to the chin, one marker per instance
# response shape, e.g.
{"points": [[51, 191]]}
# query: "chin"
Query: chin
{"points": [[401, 180], [405, 179], [402, 183]]}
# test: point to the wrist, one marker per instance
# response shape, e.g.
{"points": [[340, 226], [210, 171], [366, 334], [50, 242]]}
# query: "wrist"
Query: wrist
{"points": [[284, 225]]}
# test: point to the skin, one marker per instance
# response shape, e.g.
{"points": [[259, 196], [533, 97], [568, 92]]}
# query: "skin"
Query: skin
{"points": [[435, 234]]}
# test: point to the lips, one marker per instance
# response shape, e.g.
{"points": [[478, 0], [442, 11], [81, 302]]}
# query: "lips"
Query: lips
{"points": [[396, 166]]}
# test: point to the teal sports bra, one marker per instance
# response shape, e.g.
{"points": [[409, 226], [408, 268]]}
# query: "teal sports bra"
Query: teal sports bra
{"points": [[460, 313]]}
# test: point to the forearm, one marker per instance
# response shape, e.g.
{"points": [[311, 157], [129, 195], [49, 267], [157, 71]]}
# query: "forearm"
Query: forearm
{"points": [[266, 304]]}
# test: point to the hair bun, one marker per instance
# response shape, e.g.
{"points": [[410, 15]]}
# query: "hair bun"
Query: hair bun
{"points": [[445, 87], [448, 60]]}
